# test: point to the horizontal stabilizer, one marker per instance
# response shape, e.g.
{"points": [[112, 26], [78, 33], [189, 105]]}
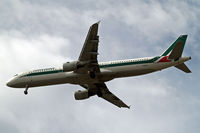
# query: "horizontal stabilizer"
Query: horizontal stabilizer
{"points": [[183, 67]]}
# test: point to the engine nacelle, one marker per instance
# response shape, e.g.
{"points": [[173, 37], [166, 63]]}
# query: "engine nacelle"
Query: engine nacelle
{"points": [[70, 66], [81, 94]]}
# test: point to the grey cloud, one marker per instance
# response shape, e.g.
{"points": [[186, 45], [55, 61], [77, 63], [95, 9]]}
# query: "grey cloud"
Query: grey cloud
{"points": [[8, 128]]}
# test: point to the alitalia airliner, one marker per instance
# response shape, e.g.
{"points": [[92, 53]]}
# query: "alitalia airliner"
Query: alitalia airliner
{"points": [[92, 75]]}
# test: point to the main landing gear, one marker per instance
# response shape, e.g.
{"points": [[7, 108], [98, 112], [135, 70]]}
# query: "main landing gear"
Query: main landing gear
{"points": [[26, 90], [92, 74]]}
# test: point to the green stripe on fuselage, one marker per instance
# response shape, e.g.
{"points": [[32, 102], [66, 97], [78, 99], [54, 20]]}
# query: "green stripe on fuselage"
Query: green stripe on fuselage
{"points": [[101, 66], [129, 63], [42, 73]]}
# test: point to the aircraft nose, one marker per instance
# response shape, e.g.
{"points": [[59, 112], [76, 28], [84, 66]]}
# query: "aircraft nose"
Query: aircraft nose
{"points": [[9, 84]]}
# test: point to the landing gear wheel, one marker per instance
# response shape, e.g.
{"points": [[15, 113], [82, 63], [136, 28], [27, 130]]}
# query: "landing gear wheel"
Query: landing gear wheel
{"points": [[26, 90], [99, 94], [92, 74]]}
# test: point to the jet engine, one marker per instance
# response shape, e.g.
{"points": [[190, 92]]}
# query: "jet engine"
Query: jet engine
{"points": [[81, 94], [71, 66]]}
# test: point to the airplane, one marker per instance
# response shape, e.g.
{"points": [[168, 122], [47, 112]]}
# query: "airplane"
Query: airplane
{"points": [[92, 75]]}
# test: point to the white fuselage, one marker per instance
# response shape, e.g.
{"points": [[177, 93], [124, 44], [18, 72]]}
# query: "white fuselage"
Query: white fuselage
{"points": [[108, 71]]}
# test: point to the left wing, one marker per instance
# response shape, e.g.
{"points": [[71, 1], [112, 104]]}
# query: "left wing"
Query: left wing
{"points": [[102, 91], [90, 51]]}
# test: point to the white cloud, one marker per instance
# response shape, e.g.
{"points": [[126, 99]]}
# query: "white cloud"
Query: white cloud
{"points": [[22, 51]]}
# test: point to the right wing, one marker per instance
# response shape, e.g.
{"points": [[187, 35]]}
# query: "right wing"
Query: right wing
{"points": [[102, 91]]}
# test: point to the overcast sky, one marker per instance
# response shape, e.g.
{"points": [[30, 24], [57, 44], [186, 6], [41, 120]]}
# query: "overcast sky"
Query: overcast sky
{"points": [[46, 33]]}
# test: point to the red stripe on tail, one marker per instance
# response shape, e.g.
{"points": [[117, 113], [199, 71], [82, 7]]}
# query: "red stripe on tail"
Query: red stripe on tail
{"points": [[164, 59]]}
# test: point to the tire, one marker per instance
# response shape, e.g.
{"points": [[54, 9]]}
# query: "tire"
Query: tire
{"points": [[92, 74]]}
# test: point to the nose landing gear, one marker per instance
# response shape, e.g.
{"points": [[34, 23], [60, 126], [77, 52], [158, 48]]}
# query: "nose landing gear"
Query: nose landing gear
{"points": [[26, 90]]}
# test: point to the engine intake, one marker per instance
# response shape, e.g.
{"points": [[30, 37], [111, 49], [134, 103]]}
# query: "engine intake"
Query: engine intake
{"points": [[70, 66], [81, 94]]}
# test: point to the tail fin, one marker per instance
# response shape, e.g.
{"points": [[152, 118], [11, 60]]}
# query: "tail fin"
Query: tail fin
{"points": [[176, 49], [175, 52], [183, 67]]}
